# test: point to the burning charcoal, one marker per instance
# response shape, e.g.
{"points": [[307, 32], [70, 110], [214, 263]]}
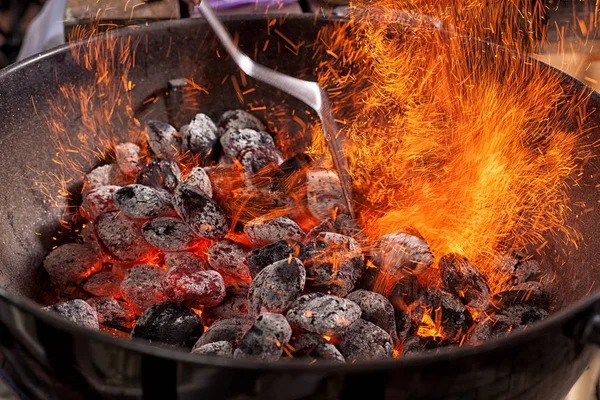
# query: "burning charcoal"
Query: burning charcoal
{"points": [[98, 201], [346, 225], [465, 281], [323, 314], [141, 287], [77, 311], [105, 175], [163, 139], [219, 349], [277, 286], [170, 324], [236, 140], [409, 300], [267, 255], [139, 201], [526, 292], [325, 225], [333, 263], [193, 287], [495, 326], [455, 318], [71, 262], [229, 257], [200, 212], [261, 231], [253, 159], [527, 270], [112, 312], [234, 304], [416, 345], [404, 323], [265, 339], [160, 174], [323, 193], [376, 309], [399, 254], [198, 179], [313, 347], [128, 158], [168, 234], [239, 119], [121, 237], [365, 341], [184, 259], [523, 314], [231, 330], [199, 136], [104, 283]]}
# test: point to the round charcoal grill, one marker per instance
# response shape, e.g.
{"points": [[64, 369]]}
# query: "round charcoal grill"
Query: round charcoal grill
{"points": [[49, 358]]}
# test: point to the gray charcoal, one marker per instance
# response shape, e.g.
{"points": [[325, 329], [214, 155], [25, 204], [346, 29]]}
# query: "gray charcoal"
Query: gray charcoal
{"points": [[253, 159], [105, 175], [141, 287], [229, 258], [235, 140], [526, 292], [168, 234], [323, 314], [71, 262], [399, 254], [104, 283], [128, 156], [415, 345], [121, 236], [365, 341], [169, 324], [324, 193], [200, 212], [112, 312], [522, 315], [160, 173], [376, 309], [277, 287], [409, 301], [465, 281], [234, 304], [455, 318], [519, 270], [218, 349], [325, 225], [267, 255], [199, 136], [198, 179], [238, 119], [261, 231], [76, 311], [404, 323], [139, 201], [163, 139], [98, 201], [231, 330], [313, 347], [194, 288], [265, 339], [495, 326], [346, 225], [184, 259], [333, 262]]}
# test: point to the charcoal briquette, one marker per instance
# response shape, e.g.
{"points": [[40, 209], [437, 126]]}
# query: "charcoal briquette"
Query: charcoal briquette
{"points": [[104, 175], [160, 173], [194, 288], [235, 140], [262, 231], [218, 349], [404, 323], [231, 330], [311, 346], [464, 280], [128, 156], [199, 136], [324, 193], [234, 304], [265, 339], [185, 259], [71, 262], [239, 119], [200, 212], [523, 314], [112, 312], [323, 314], [141, 287], [267, 255], [198, 179], [455, 318], [408, 297], [376, 309], [163, 139], [253, 159], [168, 234], [416, 345], [170, 324], [325, 225], [399, 254], [144, 202], [121, 236], [527, 292], [229, 258], [363, 340], [104, 283], [277, 287], [494, 326], [98, 201], [76, 311]]}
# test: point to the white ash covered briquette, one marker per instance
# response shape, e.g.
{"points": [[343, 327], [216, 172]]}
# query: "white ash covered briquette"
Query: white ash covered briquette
{"points": [[99, 200], [235, 140], [364, 340], [71, 262], [205, 217], [112, 312], [234, 304], [141, 286], [333, 263], [262, 231], [342, 224], [163, 139], [277, 287], [199, 136], [465, 281], [376, 309], [455, 317], [323, 314], [168, 234], [399, 254], [104, 283], [128, 156], [311, 346], [229, 258], [231, 330], [143, 202], [198, 179], [104, 175], [253, 159], [160, 173], [323, 193], [77, 311], [185, 259], [265, 339], [170, 324], [239, 119], [519, 270], [218, 349], [193, 287], [326, 225], [121, 237], [264, 256]]}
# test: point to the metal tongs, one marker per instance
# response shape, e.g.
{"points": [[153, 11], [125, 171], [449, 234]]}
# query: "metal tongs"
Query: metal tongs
{"points": [[308, 92]]}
